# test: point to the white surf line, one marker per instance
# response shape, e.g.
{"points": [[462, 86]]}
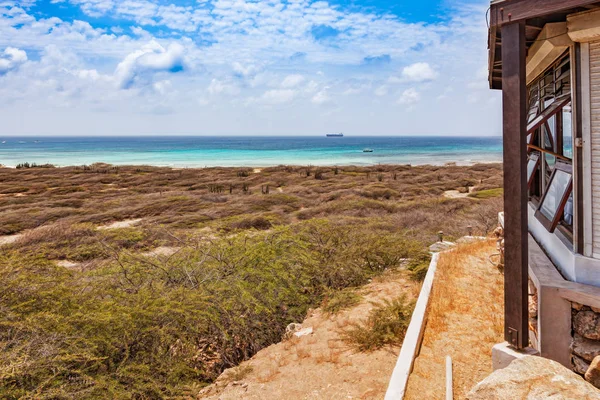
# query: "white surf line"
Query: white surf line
{"points": [[414, 335]]}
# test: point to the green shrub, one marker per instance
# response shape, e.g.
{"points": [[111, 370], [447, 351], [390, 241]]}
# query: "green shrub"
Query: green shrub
{"points": [[489, 193], [386, 325], [339, 300]]}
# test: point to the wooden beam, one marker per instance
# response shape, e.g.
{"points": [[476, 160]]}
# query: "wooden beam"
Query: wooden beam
{"points": [[491, 55], [504, 12], [514, 110], [550, 44], [552, 153], [577, 133], [585, 26]]}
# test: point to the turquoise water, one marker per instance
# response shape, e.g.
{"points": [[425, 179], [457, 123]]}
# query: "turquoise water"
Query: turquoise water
{"points": [[248, 151]]}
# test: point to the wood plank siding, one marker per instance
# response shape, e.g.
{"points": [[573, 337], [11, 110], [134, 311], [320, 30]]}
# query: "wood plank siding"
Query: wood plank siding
{"points": [[594, 75]]}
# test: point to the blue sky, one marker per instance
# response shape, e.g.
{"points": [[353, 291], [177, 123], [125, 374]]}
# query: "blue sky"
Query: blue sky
{"points": [[205, 67]]}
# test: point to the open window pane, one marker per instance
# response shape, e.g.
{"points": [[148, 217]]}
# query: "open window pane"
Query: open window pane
{"points": [[567, 149], [555, 194], [532, 166], [568, 217]]}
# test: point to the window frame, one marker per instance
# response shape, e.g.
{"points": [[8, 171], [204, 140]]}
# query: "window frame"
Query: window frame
{"points": [[551, 225], [535, 156]]}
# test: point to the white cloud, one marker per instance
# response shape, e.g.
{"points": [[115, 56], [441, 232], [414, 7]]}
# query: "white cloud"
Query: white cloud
{"points": [[244, 70], [218, 87], [150, 59], [381, 90], [322, 97], [11, 59], [409, 97], [419, 72], [292, 81], [241, 52], [278, 96]]}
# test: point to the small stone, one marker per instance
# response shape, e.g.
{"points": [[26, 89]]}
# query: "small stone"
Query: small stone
{"points": [[245, 385], [576, 306], [304, 332], [579, 364], [587, 324], [592, 375], [585, 348], [533, 312]]}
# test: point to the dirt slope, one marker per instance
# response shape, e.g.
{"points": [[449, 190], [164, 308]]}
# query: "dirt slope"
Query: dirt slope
{"points": [[465, 321], [320, 365]]}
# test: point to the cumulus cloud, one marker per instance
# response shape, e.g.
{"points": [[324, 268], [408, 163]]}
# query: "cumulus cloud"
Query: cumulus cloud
{"points": [[149, 59], [409, 97], [419, 72], [11, 59]]}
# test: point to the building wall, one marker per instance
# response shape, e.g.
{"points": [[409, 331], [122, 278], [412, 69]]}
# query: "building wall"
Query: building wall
{"points": [[594, 107]]}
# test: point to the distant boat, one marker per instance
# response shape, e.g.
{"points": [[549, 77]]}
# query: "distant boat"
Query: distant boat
{"points": [[4, 141], [367, 150], [335, 134]]}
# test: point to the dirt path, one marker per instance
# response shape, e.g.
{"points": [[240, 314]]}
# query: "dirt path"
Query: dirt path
{"points": [[465, 321], [319, 365]]}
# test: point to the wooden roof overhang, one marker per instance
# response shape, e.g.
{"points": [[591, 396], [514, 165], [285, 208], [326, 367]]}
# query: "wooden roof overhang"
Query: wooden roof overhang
{"points": [[536, 14]]}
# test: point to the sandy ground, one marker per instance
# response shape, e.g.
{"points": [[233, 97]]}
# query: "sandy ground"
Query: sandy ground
{"points": [[162, 251], [9, 239], [121, 224], [455, 194], [465, 321], [67, 264], [319, 365]]}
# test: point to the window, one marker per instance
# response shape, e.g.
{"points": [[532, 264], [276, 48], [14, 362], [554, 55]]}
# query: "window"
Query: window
{"points": [[550, 145], [553, 208], [532, 165]]}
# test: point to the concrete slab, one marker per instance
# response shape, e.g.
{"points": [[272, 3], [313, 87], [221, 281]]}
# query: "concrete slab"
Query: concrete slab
{"points": [[503, 354]]}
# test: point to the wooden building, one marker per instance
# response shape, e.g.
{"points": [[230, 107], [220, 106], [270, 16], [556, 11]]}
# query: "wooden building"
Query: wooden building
{"points": [[545, 57]]}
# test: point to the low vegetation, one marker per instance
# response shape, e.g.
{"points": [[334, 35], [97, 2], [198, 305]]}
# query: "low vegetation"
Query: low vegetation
{"points": [[386, 325], [93, 313]]}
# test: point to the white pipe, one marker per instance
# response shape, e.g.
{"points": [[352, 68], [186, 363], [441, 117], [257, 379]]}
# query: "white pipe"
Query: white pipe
{"points": [[449, 393], [413, 337]]}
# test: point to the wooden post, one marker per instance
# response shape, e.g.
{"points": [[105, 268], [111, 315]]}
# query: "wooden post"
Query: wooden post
{"points": [[514, 100]]}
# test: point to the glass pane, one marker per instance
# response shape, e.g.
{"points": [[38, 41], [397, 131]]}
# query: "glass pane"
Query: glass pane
{"points": [[550, 162], [568, 216], [531, 164], [556, 191], [567, 132]]}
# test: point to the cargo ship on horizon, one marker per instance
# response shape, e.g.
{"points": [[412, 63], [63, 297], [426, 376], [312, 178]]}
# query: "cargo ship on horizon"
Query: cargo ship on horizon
{"points": [[335, 134]]}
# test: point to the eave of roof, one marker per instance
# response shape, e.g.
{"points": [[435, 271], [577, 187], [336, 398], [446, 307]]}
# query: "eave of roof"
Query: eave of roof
{"points": [[536, 13]]}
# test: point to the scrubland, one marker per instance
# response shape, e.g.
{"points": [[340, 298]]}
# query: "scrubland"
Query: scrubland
{"points": [[206, 267]]}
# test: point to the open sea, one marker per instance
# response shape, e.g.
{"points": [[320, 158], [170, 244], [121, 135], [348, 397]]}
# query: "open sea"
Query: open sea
{"points": [[259, 151]]}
